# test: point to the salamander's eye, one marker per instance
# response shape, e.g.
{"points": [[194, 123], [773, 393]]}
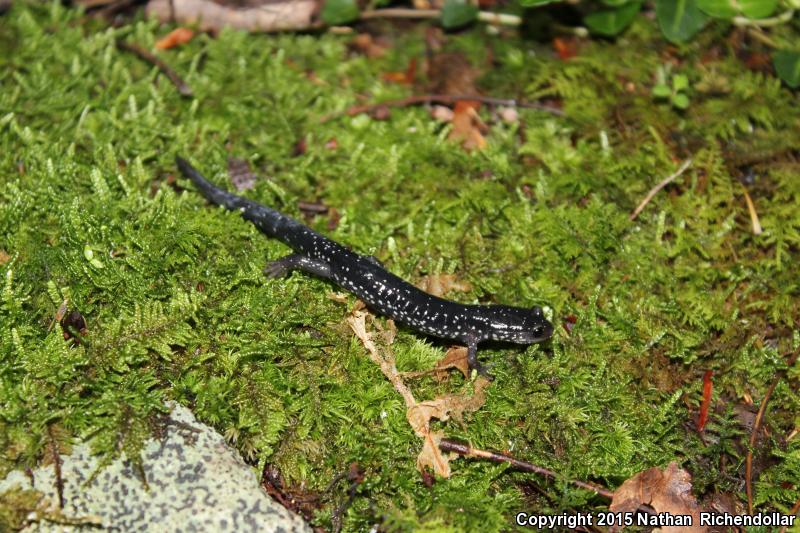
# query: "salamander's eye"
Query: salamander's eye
{"points": [[536, 311]]}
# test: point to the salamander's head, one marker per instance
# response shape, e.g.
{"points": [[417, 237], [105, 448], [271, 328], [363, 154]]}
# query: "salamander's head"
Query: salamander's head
{"points": [[518, 324]]}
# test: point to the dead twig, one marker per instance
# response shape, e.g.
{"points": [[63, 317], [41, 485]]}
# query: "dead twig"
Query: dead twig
{"points": [[447, 445], [440, 99], [143, 54], [748, 473], [56, 456], [666, 181], [792, 512]]}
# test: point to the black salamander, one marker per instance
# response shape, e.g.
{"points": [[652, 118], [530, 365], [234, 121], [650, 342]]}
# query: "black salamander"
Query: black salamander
{"points": [[384, 292]]}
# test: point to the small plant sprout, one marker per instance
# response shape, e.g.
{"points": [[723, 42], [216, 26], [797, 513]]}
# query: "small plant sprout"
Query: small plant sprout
{"points": [[672, 87]]}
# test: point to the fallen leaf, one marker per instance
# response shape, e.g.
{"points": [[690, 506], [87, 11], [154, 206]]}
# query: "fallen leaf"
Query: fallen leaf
{"points": [[4, 257], [451, 74], [440, 284], [442, 113], [403, 78], [418, 414], [666, 491], [338, 297], [456, 357], [333, 219], [241, 176], [176, 37], [364, 43], [467, 126], [565, 48]]}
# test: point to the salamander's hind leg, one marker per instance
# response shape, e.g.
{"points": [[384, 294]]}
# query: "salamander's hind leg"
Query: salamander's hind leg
{"points": [[284, 265], [472, 360]]}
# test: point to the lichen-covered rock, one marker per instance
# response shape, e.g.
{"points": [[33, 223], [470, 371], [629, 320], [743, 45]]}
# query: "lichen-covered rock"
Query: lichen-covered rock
{"points": [[195, 482]]}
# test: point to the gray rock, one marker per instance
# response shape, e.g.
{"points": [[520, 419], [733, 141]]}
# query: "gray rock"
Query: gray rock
{"points": [[196, 482]]}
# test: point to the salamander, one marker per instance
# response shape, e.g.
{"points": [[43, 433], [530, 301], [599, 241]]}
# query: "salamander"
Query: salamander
{"points": [[382, 291]]}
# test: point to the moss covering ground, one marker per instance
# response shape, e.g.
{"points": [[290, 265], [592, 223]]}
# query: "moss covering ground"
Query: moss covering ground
{"points": [[177, 306]]}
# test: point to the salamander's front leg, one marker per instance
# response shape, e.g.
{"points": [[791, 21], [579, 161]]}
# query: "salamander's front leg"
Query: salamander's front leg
{"points": [[472, 360], [284, 265]]}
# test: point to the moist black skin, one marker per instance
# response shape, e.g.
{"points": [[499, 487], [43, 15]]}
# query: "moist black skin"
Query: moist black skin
{"points": [[384, 292]]}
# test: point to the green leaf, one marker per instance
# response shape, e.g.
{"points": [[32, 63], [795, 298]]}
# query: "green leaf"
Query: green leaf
{"points": [[758, 9], [680, 100], [680, 82], [610, 22], [661, 91], [726, 9], [679, 19], [457, 13], [722, 9], [336, 12], [787, 65]]}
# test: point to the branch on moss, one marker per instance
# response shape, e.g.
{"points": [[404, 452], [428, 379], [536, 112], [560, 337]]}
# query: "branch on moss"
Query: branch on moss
{"points": [[466, 450], [666, 181], [176, 80]]}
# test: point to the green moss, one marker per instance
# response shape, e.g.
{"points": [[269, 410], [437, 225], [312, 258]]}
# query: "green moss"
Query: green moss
{"points": [[177, 307]]}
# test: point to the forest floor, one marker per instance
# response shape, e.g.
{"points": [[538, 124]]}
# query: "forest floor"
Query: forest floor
{"points": [[123, 289]]}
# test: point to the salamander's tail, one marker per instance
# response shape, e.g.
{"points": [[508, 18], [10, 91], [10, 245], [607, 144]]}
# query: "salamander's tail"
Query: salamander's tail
{"points": [[266, 219], [211, 192]]}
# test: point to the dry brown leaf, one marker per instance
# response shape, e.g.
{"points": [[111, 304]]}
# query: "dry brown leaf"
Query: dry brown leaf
{"points": [[442, 113], [406, 77], [210, 16], [4, 257], [440, 284], [338, 297], [467, 126], [456, 357], [452, 74], [364, 43], [176, 37], [666, 491], [432, 457], [418, 414], [242, 177]]}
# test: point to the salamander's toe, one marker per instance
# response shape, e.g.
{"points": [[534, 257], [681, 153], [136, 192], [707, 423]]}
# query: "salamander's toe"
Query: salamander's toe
{"points": [[483, 370], [276, 269]]}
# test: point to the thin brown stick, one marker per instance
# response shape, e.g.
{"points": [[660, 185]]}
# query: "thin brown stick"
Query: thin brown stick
{"points": [[400, 13], [748, 472], [666, 181], [177, 81], [751, 208], [447, 445], [56, 466], [440, 99], [792, 512]]}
